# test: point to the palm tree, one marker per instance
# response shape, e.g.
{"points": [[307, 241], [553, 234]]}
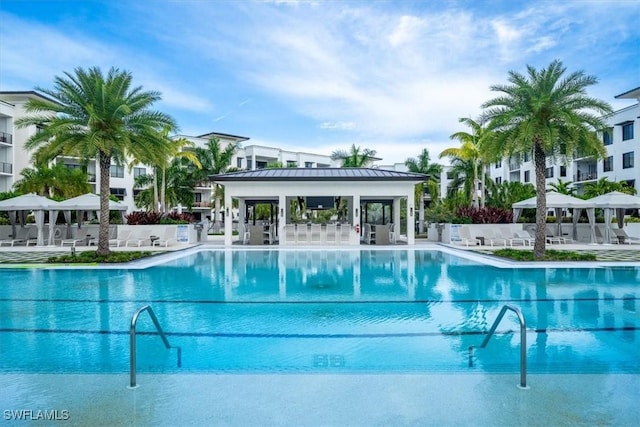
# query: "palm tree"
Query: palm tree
{"points": [[549, 114], [461, 182], [604, 186], [471, 149], [57, 181], [355, 158], [102, 117], [424, 166], [216, 160], [563, 187]]}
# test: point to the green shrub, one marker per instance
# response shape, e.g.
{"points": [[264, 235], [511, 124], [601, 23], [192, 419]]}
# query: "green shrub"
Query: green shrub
{"points": [[90, 257], [549, 255]]}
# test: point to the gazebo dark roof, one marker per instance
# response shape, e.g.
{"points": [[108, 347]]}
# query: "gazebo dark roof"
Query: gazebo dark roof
{"points": [[318, 174]]}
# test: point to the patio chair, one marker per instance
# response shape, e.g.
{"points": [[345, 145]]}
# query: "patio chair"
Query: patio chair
{"points": [[492, 237], [465, 236], [524, 237], [392, 233], [302, 235], [316, 233], [369, 234], [290, 233], [138, 237], [22, 237], [168, 237], [345, 233], [331, 235], [623, 237]]}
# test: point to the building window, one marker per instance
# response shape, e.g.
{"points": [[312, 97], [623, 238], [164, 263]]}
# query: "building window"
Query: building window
{"points": [[606, 137], [239, 162], [261, 165], [139, 172], [292, 164], [563, 171], [627, 160], [249, 164], [117, 171], [527, 176], [527, 157], [308, 164], [627, 131], [198, 197], [608, 164], [548, 173], [499, 180], [498, 164], [119, 193]]}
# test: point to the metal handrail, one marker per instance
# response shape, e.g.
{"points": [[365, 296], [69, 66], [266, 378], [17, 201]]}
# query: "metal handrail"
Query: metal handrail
{"points": [[132, 342], [523, 340]]}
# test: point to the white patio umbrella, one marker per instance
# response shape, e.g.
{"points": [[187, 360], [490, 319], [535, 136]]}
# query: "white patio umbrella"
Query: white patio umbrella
{"points": [[31, 202], [86, 203]]}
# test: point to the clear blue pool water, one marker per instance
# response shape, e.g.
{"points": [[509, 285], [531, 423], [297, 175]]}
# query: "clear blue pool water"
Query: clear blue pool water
{"points": [[320, 311]]}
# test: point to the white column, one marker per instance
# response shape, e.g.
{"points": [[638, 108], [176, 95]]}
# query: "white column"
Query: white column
{"points": [[228, 222], [282, 218], [396, 216], [411, 220], [355, 211]]}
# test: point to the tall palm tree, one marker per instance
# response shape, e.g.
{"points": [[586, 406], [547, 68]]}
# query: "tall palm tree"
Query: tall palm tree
{"points": [[101, 117], [355, 158], [604, 186], [548, 113], [470, 149], [216, 160], [424, 166]]}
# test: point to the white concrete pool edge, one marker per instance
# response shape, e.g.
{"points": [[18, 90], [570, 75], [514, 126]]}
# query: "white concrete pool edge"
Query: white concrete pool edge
{"points": [[485, 259], [326, 399]]}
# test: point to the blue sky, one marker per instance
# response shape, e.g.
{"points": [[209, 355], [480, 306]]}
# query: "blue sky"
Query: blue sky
{"points": [[317, 76]]}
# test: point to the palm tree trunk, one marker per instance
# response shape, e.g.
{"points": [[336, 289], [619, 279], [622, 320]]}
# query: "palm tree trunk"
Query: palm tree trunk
{"points": [[474, 195], [103, 230], [485, 172], [155, 189], [163, 191], [541, 200]]}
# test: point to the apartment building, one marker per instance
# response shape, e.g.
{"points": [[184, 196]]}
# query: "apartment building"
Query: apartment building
{"points": [[622, 143]]}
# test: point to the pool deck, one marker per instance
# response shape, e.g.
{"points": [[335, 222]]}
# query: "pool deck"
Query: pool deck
{"points": [[327, 400], [451, 399]]}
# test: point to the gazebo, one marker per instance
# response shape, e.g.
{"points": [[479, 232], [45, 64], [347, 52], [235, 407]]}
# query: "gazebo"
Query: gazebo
{"points": [[559, 201], [30, 202], [617, 202], [282, 186], [86, 203]]}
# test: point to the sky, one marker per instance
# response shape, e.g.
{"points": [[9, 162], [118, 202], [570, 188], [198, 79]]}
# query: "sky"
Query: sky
{"points": [[320, 76]]}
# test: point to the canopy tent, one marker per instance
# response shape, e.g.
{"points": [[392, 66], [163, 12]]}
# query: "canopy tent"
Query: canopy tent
{"points": [[558, 201], [31, 202], [617, 202], [86, 203]]}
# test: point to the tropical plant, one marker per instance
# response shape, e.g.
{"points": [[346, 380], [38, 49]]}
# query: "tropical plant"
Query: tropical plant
{"points": [[432, 171], [504, 195], [604, 186], [58, 181], [216, 160], [563, 187], [355, 158], [471, 150], [548, 113], [101, 117], [461, 180]]}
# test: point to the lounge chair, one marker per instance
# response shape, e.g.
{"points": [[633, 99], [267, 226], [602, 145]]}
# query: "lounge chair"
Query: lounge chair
{"points": [[623, 237], [464, 233], [168, 237], [492, 237], [290, 233], [22, 237], [138, 237], [522, 236], [302, 234]]}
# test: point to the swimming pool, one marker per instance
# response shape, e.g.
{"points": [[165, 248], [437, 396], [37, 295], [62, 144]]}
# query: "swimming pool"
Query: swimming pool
{"points": [[337, 311]]}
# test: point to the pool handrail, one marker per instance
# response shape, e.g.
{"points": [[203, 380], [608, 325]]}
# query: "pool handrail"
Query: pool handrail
{"points": [[132, 342], [523, 340]]}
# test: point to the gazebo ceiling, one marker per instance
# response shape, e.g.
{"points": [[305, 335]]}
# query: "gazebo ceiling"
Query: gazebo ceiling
{"points": [[318, 174]]}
